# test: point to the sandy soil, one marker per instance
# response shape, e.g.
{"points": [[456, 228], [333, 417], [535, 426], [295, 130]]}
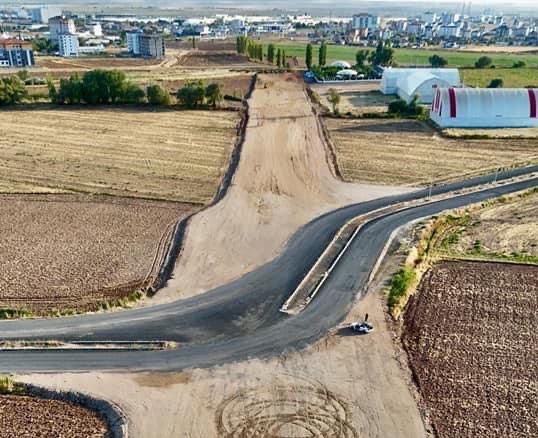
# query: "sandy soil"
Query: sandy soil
{"points": [[282, 182], [353, 386]]}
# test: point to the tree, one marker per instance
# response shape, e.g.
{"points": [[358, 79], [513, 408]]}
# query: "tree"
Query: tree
{"points": [[402, 108], [44, 45], [214, 95], [192, 95], [483, 62], [308, 56], [361, 56], [271, 53], [283, 59], [158, 95], [278, 57], [12, 90], [437, 61], [334, 99], [383, 55], [519, 64], [322, 56], [132, 94], [496, 83], [23, 75], [194, 42]]}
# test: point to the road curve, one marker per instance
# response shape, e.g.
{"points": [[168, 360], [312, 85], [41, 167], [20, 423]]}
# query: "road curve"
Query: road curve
{"points": [[241, 319]]}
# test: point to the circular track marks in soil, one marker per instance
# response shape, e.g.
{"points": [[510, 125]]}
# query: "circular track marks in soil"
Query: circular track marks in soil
{"points": [[285, 412]]}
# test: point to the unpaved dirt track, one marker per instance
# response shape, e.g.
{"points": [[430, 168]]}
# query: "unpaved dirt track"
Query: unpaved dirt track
{"points": [[282, 182]]}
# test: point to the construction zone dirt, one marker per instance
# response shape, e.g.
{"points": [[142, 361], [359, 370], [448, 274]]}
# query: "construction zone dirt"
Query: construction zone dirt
{"points": [[201, 58], [22, 416], [73, 252], [470, 332]]}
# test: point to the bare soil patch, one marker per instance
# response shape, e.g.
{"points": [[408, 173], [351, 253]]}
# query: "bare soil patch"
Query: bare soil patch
{"points": [[470, 335], [73, 252], [162, 154], [356, 98], [201, 58], [233, 85], [53, 63], [22, 416], [409, 152]]}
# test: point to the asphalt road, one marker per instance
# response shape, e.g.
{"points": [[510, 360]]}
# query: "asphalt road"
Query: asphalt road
{"points": [[241, 319]]}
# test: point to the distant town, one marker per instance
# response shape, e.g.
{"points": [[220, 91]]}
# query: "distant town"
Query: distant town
{"points": [[52, 30]]}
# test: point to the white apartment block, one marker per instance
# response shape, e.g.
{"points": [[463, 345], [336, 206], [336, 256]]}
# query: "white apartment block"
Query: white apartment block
{"points": [[59, 26], [68, 44], [133, 42], [365, 21]]}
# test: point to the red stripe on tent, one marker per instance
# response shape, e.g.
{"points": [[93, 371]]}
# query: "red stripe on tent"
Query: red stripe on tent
{"points": [[532, 100], [452, 97]]}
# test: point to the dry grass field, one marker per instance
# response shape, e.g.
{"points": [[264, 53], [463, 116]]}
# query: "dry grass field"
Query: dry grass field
{"points": [[74, 252], [22, 416], [470, 335], [409, 152], [165, 154]]}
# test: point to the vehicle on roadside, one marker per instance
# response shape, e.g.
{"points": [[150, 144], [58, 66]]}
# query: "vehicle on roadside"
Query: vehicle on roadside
{"points": [[362, 328]]}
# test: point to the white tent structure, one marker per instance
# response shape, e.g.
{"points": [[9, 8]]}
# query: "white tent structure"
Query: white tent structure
{"points": [[422, 82], [341, 64], [485, 108]]}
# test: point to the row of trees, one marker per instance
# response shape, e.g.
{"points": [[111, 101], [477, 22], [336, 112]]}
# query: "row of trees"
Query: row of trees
{"points": [[96, 87], [247, 46], [195, 94]]}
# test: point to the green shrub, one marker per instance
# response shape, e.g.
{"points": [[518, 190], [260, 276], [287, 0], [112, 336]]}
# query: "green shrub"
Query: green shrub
{"points": [[399, 284]]}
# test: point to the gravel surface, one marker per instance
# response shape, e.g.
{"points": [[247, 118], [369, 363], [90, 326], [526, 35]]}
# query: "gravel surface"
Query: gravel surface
{"points": [[29, 417]]}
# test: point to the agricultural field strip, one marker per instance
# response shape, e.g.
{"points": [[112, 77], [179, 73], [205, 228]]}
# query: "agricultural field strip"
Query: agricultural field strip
{"points": [[196, 156], [324, 265], [355, 144]]}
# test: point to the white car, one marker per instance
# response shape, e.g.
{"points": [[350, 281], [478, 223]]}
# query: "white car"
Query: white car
{"points": [[362, 328]]}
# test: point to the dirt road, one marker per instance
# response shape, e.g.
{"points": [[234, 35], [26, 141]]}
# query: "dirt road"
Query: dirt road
{"points": [[282, 182]]}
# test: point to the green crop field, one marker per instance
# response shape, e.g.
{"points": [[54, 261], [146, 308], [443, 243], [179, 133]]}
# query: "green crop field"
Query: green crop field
{"points": [[412, 56], [512, 77]]}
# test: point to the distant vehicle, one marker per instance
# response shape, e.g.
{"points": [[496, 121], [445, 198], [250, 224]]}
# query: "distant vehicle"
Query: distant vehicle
{"points": [[362, 328]]}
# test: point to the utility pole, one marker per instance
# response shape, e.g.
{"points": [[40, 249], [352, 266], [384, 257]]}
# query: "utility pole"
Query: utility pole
{"points": [[496, 174]]}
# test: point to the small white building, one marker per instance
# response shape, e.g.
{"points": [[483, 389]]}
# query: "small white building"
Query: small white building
{"points": [[409, 82], [485, 108], [68, 45]]}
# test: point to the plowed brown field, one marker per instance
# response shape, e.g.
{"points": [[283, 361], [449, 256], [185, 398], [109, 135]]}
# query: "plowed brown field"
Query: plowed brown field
{"points": [[471, 337], [22, 416], [74, 252]]}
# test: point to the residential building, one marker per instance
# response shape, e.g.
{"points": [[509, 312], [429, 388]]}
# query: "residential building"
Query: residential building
{"points": [[16, 53], [449, 31], [365, 21], [429, 17], [151, 46], [43, 14], [133, 42], [68, 45], [61, 25]]}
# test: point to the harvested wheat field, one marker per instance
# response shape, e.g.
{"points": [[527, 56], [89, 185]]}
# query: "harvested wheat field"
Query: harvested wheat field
{"points": [[22, 416], [165, 154], [73, 252], [409, 152], [470, 333]]}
